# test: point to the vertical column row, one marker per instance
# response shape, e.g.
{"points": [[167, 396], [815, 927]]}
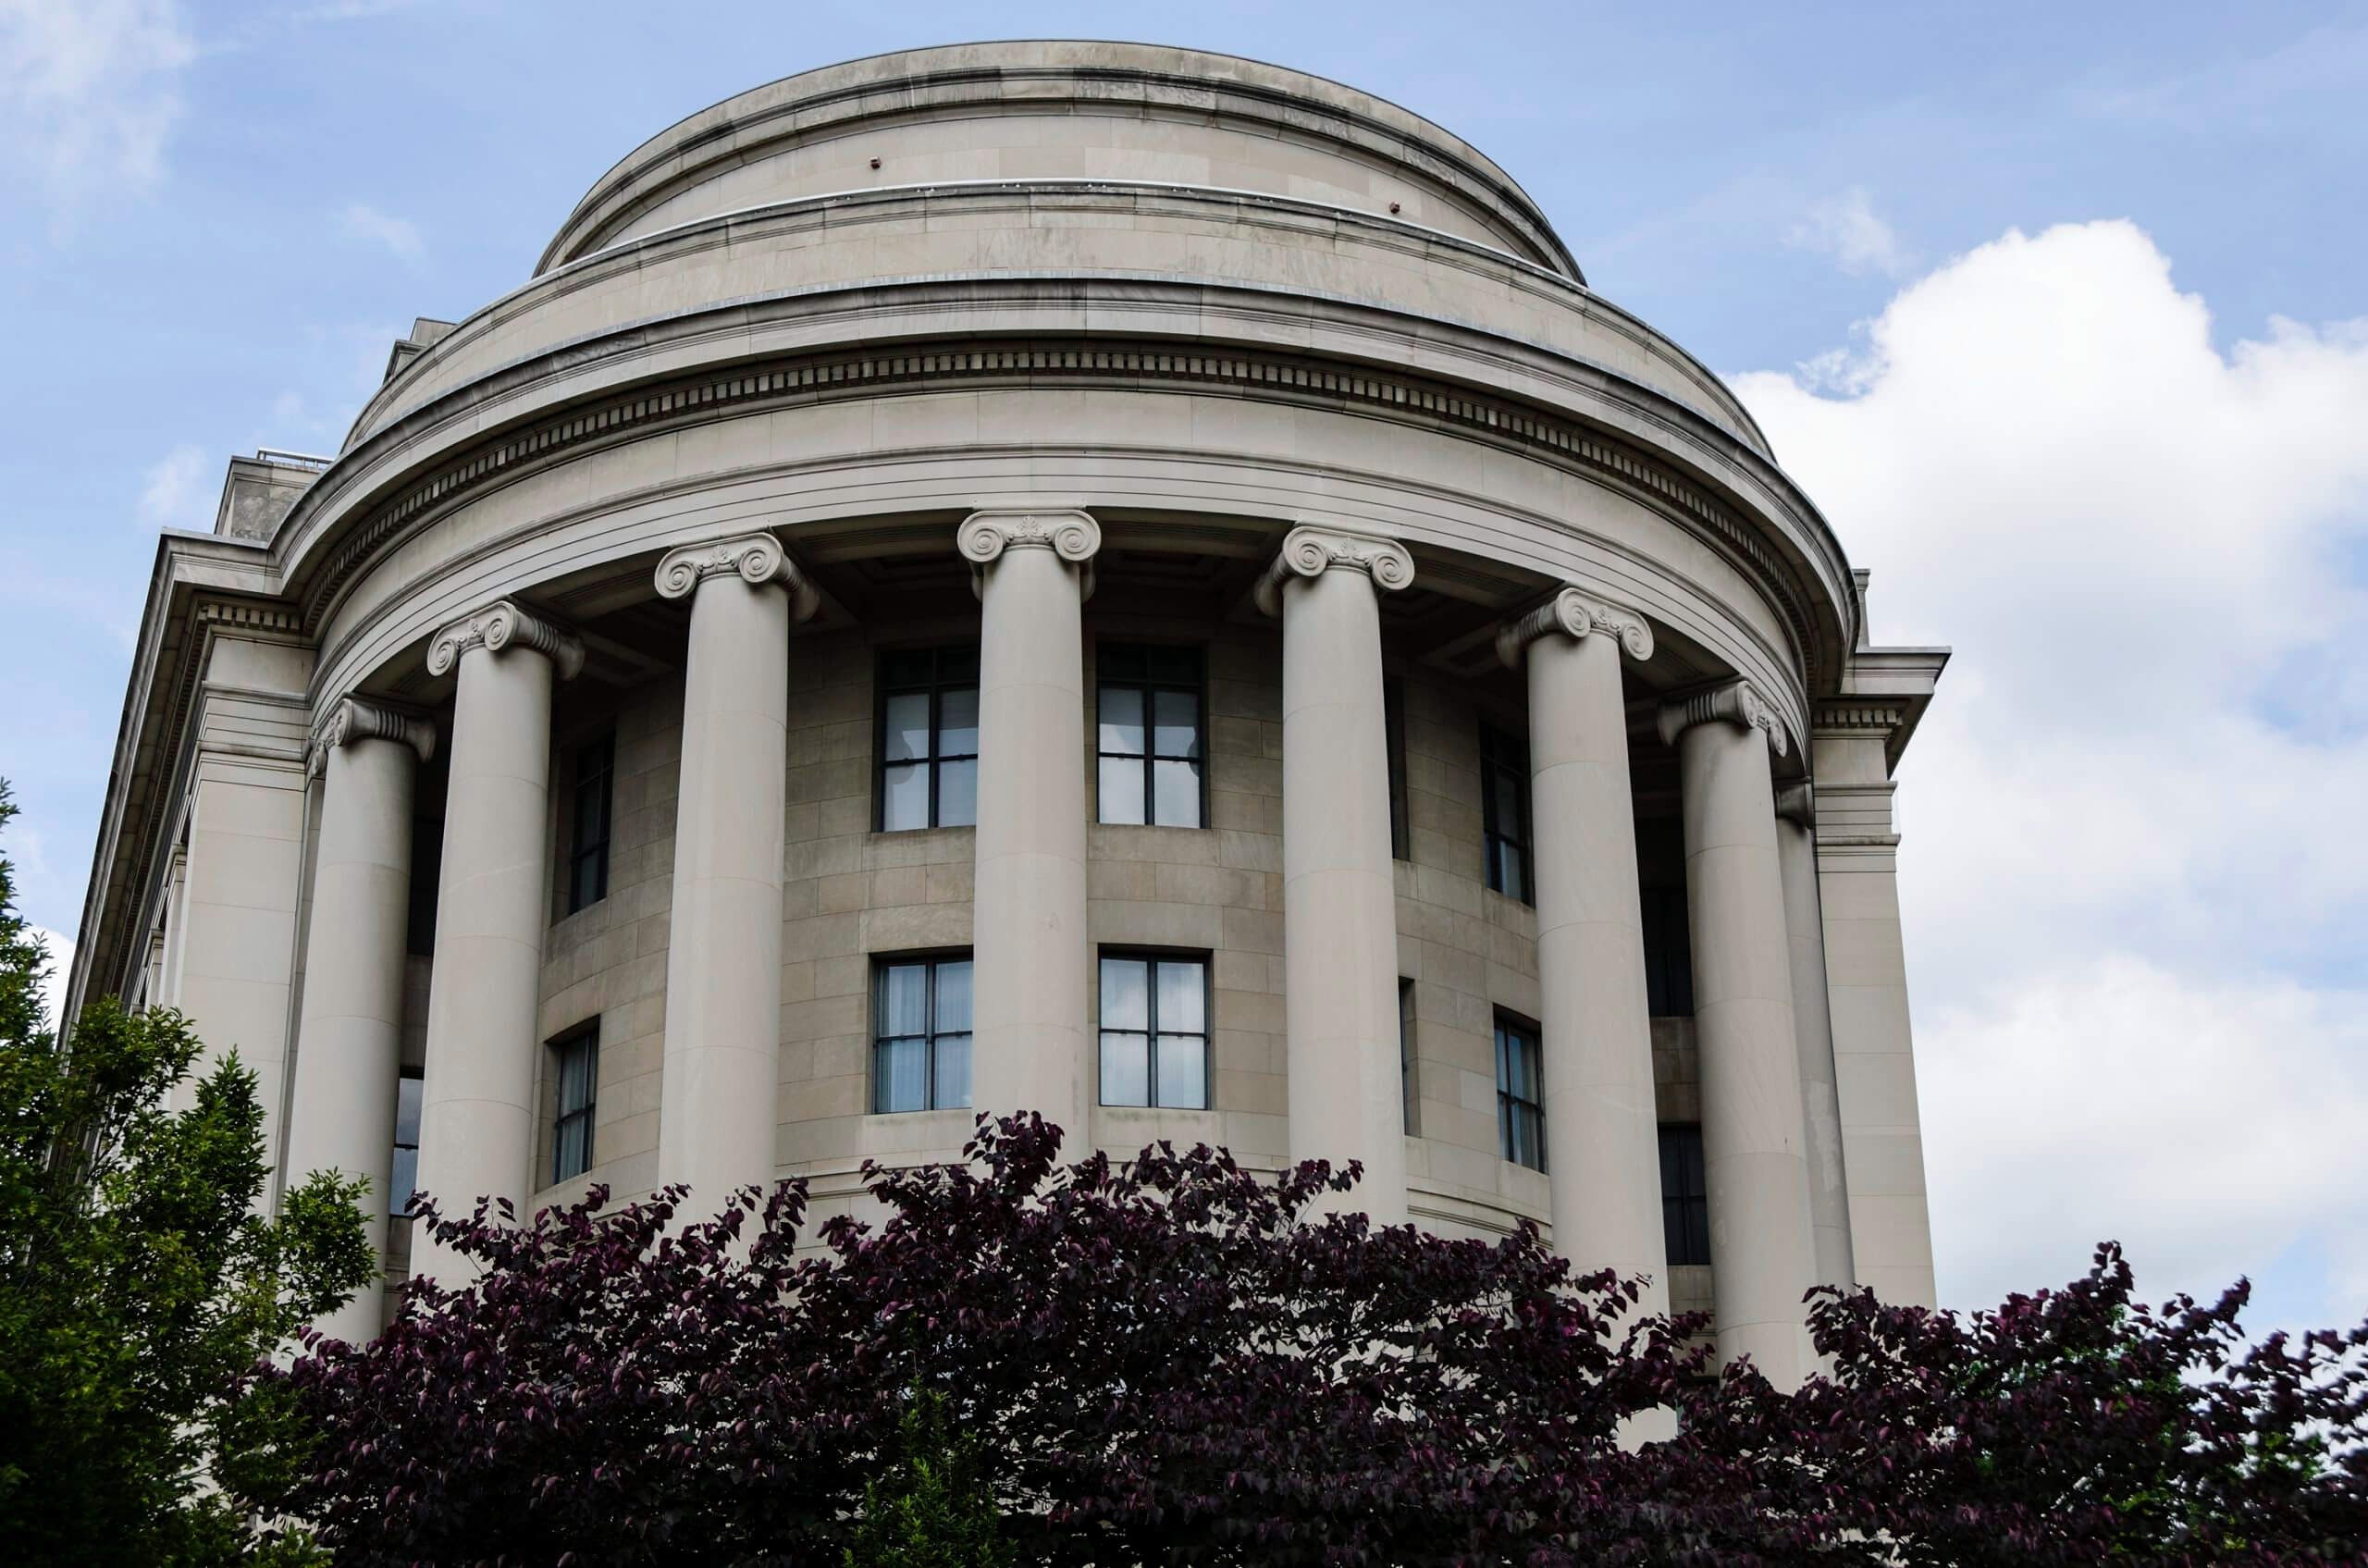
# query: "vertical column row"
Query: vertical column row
{"points": [[476, 1135], [1813, 1035], [1340, 893]]}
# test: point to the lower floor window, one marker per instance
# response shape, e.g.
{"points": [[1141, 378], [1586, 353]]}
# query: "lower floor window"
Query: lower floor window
{"points": [[920, 1051], [1155, 1032], [1521, 1115], [579, 1081], [408, 1090], [1686, 1203]]}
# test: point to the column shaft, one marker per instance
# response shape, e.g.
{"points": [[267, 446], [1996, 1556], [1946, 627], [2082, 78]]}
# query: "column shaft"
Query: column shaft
{"points": [[349, 1050], [476, 1135], [1813, 1036], [1340, 893], [1602, 1133], [1031, 1050], [718, 1108], [1761, 1252]]}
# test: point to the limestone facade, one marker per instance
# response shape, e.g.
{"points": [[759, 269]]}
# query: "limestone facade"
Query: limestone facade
{"points": [[513, 789]]}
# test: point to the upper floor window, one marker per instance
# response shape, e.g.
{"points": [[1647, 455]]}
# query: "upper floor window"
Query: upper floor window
{"points": [[1149, 735], [929, 739], [1504, 811], [576, 1064], [920, 1036], [408, 1090], [1521, 1113], [1155, 1031], [1669, 953], [587, 842], [1393, 721], [1686, 1203]]}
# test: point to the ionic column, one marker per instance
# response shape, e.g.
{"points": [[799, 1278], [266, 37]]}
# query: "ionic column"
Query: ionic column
{"points": [[1596, 1040], [1813, 1036], [1761, 1254], [1340, 897], [348, 1046], [476, 1131], [1031, 1049], [718, 1097]]}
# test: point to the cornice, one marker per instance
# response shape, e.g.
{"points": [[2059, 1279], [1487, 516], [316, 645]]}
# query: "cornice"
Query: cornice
{"points": [[1574, 615], [1309, 551], [1275, 375]]}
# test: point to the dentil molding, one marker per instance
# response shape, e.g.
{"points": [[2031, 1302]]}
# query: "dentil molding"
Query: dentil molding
{"points": [[499, 626], [757, 558], [1309, 551], [354, 718], [1575, 616], [1737, 703]]}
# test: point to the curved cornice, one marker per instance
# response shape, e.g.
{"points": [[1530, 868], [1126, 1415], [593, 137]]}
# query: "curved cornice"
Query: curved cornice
{"points": [[1134, 79], [1043, 203]]}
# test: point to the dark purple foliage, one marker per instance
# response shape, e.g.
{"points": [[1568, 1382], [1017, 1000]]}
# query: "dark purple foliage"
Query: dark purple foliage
{"points": [[1168, 1361]]}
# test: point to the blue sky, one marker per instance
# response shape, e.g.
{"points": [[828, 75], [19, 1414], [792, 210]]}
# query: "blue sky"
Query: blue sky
{"points": [[2058, 309]]}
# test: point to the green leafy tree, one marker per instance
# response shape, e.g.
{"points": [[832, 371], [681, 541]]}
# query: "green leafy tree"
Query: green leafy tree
{"points": [[935, 1508], [139, 1284]]}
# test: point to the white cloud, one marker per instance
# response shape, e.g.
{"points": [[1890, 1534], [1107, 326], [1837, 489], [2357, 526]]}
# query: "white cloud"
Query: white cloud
{"points": [[89, 89], [175, 494], [366, 223], [1847, 228], [2132, 869]]}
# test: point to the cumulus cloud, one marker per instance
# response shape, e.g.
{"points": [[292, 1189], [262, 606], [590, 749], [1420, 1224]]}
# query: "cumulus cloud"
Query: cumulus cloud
{"points": [[1847, 228], [2132, 876], [361, 221], [175, 494], [89, 89]]}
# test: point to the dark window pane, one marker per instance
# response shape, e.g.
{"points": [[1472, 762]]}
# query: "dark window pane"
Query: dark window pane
{"points": [[1180, 665], [911, 669], [1176, 724], [573, 1155], [905, 727], [1121, 727], [408, 1091], [958, 794], [1176, 794], [957, 722], [1122, 790], [1125, 1069], [405, 1182]]}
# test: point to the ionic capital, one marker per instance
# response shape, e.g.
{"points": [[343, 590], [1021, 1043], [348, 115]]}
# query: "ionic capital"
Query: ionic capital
{"points": [[353, 719], [1796, 803], [1074, 536], [1735, 703], [1310, 552], [1575, 616], [501, 624], [757, 558]]}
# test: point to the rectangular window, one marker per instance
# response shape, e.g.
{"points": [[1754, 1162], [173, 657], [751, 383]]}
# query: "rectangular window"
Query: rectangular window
{"points": [[1669, 953], [1155, 1031], [921, 1035], [1521, 1114], [588, 852], [1686, 1203], [576, 1063], [929, 739], [1504, 811], [408, 1089], [1408, 1089], [1148, 736], [1393, 721]]}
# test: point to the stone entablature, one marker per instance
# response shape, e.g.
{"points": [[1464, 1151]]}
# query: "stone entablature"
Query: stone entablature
{"points": [[1478, 571]]}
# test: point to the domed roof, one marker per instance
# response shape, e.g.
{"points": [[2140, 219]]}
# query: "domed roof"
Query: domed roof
{"points": [[1044, 110]]}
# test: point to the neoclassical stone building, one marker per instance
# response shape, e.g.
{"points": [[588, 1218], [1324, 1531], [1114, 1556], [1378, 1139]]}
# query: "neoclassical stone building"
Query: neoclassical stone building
{"points": [[1098, 579]]}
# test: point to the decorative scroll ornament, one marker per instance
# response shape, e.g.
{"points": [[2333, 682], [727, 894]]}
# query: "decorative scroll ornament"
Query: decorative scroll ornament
{"points": [[757, 558], [497, 626], [1576, 615], [1735, 703], [1796, 803], [1074, 536], [355, 719], [1310, 552]]}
